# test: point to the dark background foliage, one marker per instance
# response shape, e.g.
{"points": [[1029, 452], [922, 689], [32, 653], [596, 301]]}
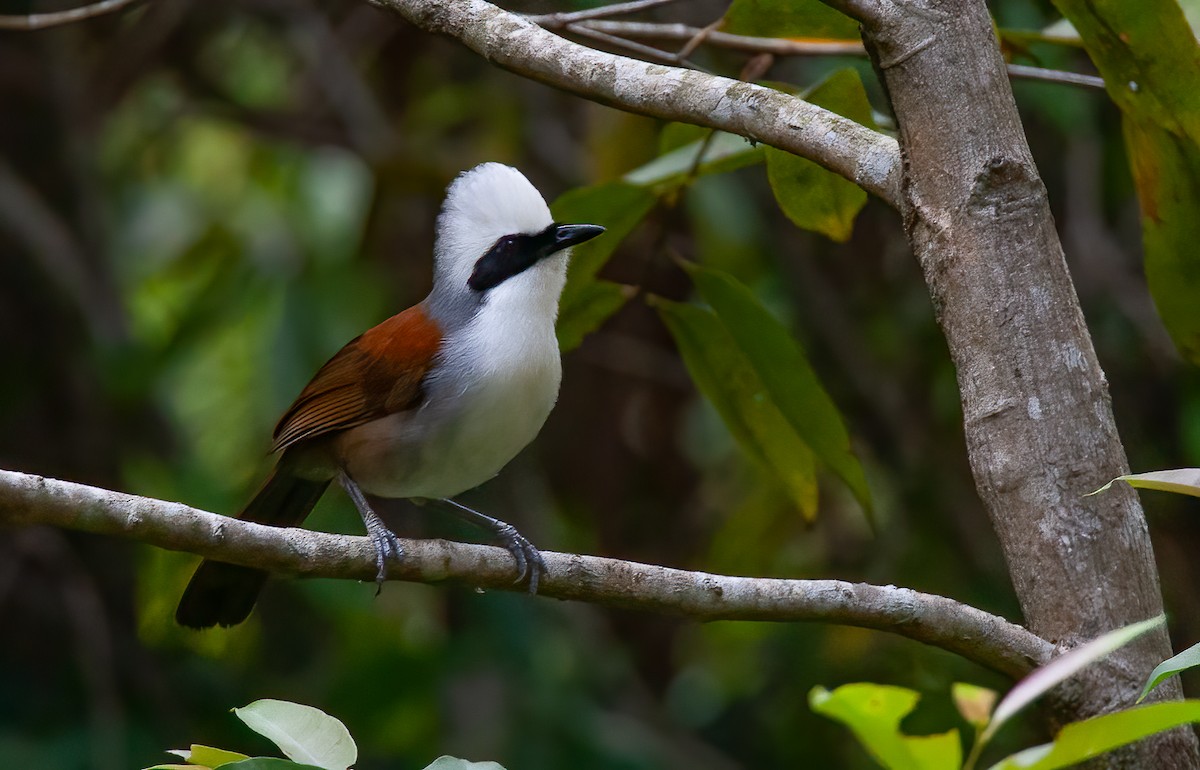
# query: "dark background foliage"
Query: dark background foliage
{"points": [[201, 201]]}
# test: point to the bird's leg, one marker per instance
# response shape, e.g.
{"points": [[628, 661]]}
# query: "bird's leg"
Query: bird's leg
{"points": [[387, 545], [530, 564]]}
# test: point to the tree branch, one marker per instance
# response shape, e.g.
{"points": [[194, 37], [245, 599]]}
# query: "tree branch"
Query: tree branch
{"points": [[43, 20], [978, 636], [648, 30], [867, 158]]}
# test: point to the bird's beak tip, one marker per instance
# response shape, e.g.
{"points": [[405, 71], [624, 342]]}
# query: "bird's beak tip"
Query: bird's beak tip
{"points": [[571, 235]]}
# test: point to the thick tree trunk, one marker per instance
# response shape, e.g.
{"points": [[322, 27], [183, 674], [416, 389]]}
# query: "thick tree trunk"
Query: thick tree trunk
{"points": [[1036, 408]]}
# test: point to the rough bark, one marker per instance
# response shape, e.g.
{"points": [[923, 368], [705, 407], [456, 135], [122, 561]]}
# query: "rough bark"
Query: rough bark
{"points": [[989, 640], [1036, 408]]}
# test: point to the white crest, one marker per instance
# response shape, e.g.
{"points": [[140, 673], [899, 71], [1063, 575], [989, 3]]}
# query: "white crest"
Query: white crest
{"points": [[483, 204]]}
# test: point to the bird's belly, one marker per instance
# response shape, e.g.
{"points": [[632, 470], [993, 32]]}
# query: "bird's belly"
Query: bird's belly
{"points": [[452, 443]]}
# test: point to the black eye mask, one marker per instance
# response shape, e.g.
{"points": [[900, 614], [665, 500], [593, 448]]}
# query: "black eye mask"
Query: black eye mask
{"points": [[514, 254]]}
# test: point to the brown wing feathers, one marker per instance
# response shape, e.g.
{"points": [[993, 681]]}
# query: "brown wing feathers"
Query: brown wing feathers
{"points": [[375, 374]]}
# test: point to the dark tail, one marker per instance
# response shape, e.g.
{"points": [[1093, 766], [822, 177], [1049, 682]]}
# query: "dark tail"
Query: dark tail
{"points": [[223, 594]]}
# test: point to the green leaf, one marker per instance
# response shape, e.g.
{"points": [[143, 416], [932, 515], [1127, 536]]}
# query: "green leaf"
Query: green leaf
{"points": [[209, 756], [1080, 741], [269, 763], [1189, 658], [788, 18], [873, 712], [1166, 171], [735, 390], [721, 153], [1184, 481], [813, 198], [940, 751], [790, 381], [303, 733], [454, 763], [593, 304], [1063, 667], [619, 207], [1150, 62]]}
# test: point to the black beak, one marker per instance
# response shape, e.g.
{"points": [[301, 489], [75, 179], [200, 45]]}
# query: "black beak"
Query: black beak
{"points": [[570, 235]]}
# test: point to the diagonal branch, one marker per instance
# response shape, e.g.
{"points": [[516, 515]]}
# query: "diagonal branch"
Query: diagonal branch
{"points": [[58, 18], [978, 636], [869, 159]]}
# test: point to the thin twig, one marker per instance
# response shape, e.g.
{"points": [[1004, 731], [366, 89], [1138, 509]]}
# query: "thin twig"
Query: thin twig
{"points": [[1055, 76], [986, 639], [784, 47], [43, 20], [649, 52], [690, 46], [560, 20], [646, 30]]}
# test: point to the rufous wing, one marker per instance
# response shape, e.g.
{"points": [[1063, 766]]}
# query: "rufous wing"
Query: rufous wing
{"points": [[376, 374]]}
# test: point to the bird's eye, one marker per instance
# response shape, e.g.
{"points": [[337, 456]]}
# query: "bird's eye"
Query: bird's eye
{"points": [[507, 257]]}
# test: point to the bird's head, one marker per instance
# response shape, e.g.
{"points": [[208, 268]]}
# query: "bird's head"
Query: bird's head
{"points": [[495, 235]]}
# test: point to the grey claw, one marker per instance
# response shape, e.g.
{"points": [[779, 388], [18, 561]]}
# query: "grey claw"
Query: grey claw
{"points": [[530, 564], [387, 546]]}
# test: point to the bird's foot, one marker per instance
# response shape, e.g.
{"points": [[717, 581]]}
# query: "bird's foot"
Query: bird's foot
{"points": [[387, 545], [530, 564]]}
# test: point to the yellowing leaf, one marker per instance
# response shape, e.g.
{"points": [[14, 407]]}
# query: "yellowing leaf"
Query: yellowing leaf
{"points": [[873, 712], [1150, 61], [210, 757], [813, 198], [1183, 481], [974, 703]]}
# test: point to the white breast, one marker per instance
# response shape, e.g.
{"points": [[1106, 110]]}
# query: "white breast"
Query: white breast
{"points": [[489, 398]]}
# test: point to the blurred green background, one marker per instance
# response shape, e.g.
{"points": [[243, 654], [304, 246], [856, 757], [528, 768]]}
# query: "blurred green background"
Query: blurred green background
{"points": [[202, 201]]}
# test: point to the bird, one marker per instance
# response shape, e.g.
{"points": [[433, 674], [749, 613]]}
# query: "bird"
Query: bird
{"points": [[432, 402]]}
